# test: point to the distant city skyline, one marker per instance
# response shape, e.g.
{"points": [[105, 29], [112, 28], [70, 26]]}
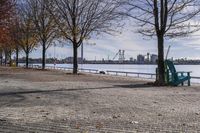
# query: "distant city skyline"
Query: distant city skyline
{"points": [[133, 44]]}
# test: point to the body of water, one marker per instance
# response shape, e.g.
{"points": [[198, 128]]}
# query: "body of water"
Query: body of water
{"points": [[195, 69]]}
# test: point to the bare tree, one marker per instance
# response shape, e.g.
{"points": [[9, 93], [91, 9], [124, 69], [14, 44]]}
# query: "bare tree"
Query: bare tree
{"points": [[81, 19], [44, 25], [27, 37], [164, 18]]}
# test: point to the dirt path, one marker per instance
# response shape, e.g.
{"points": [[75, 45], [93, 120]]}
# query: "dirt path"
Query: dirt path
{"points": [[54, 101]]}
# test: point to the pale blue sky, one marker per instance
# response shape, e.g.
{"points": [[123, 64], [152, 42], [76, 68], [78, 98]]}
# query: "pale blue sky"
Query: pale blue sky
{"points": [[133, 43]]}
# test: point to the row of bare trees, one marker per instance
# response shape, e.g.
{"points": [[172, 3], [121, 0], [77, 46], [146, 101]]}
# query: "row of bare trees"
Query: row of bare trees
{"points": [[41, 22]]}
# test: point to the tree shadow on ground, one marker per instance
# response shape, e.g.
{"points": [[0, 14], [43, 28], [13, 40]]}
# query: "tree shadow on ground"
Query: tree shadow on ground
{"points": [[75, 89], [36, 97], [136, 86], [50, 91]]}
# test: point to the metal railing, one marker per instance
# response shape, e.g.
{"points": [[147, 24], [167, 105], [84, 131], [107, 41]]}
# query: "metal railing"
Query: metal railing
{"points": [[131, 73], [138, 74], [195, 77], [69, 68], [89, 70]]}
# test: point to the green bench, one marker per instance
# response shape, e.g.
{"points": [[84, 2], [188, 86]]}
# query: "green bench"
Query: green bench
{"points": [[175, 78]]}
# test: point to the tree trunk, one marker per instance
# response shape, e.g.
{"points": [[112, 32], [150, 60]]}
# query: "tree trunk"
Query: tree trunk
{"points": [[161, 67], [27, 61], [5, 58], [75, 62], [17, 56], [1, 59], [10, 56], [43, 56]]}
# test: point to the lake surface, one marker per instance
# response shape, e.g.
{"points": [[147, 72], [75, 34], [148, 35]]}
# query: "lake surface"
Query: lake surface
{"points": [[135, 68]]}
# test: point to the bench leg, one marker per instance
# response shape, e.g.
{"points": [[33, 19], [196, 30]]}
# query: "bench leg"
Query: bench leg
{"points": [[189, 84]]}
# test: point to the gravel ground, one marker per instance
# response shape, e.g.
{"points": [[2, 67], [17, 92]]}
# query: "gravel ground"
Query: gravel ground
{"points": [[55, 101]]}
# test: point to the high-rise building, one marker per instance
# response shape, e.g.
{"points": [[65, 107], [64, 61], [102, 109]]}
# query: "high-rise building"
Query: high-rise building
{"points": [[154, 58], [140, 59], [131, 59]]}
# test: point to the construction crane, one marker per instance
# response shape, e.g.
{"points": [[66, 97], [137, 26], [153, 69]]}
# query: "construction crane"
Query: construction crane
{"points": [[116, 55], [120, 54]]}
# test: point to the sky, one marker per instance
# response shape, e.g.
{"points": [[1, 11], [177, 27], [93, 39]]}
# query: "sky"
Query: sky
{"points": [[106, 46], [133, 43]]}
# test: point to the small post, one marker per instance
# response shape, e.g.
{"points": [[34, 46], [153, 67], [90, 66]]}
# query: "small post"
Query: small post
{"points": [[188, 74], [182, 82], [157, 74]]}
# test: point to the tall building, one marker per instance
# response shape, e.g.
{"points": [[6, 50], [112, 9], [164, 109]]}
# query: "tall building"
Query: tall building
{"points": [[140, 59], [154, 58], [131, 59]]}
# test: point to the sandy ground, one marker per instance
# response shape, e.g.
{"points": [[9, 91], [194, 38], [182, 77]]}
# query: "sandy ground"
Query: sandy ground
{"points": [[56, 101]]}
